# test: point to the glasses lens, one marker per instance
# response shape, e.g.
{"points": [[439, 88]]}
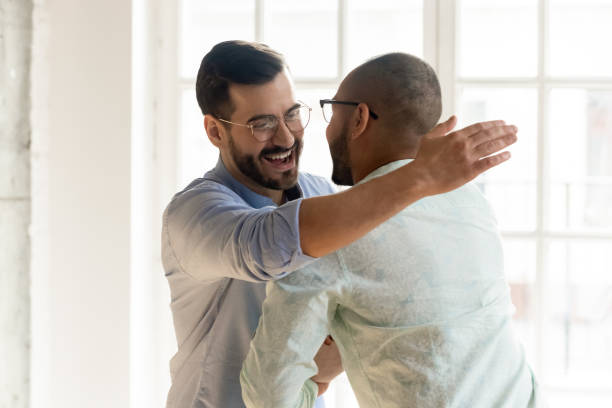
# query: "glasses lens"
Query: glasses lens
{"points": [[327, 112], [298, 118], [264, 128]]}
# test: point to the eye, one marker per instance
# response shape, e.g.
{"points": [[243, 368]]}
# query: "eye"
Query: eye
{"points": [[263, 123], [293, 114]]}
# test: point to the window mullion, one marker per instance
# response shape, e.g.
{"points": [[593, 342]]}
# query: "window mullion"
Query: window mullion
{"points": [[430, 33], [342, 21], [446, 43], [543, 192], [260, 13]]}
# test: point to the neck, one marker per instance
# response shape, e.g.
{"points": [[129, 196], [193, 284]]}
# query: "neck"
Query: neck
{"points": [[275, 195], [370, 163], [379, 147]]}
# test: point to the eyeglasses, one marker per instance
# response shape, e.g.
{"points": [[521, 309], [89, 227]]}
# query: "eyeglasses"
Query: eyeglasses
{"points": [[326, 106], [264, 127]]}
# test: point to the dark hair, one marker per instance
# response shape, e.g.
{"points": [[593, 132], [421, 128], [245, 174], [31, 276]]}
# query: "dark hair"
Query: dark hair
{"points": [[406, 88], [239, 62]]}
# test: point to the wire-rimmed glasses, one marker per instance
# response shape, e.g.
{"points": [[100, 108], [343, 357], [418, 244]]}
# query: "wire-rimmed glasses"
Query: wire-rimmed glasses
{"points": [[326, 106], [264, 127]]}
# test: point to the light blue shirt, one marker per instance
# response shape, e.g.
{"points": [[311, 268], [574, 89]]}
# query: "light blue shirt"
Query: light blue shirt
{"points": [[220, 243], [419, 308]]}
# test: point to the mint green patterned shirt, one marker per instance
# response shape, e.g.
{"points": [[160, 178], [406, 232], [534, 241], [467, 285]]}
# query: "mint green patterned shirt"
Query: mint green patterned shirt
{"points": [[419, 309]]}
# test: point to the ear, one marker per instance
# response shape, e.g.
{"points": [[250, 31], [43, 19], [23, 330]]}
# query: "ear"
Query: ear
{"points": [[361, 116], [214, 130]]}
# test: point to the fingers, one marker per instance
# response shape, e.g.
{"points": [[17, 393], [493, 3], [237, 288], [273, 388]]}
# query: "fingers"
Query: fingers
{"points": [[477, 128], [491, 133], [442, 129], [485, 164], [496, 139]]}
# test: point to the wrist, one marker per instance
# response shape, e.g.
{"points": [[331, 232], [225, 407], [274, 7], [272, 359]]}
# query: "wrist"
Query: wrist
{"points": [[421, 181]]}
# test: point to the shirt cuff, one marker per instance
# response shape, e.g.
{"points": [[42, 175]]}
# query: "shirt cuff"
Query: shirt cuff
{"points": [[312, 389], [290, 212]]}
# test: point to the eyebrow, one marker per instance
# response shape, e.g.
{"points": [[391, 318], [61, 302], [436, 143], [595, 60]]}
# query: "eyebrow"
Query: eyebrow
{"points": [[266, 116]]}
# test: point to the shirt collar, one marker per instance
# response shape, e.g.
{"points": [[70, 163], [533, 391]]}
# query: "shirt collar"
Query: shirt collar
{"points": [[221, 175], [387, 168]]}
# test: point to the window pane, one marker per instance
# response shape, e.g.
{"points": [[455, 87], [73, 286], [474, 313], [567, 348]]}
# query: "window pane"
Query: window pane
{"points": [[196, 154], [519, 267], [315, 157], [497, 38], [375, 28], [206, 23], [306, 33], [581, 159], [511, 187], [580, 31], [577, 329]]}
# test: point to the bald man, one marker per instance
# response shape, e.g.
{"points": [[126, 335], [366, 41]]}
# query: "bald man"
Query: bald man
{"points": [[419, 307]]}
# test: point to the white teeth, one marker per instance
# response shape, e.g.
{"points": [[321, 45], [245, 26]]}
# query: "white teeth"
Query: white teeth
{"points": [[279, 156]]}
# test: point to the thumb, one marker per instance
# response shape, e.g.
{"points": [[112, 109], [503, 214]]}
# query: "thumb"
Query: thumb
{"points": [[442, 129]]}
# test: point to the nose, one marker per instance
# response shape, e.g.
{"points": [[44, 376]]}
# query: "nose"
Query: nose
{"points": [[283, 136]]}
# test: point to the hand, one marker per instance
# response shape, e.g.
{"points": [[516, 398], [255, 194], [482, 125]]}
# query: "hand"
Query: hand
{"points": [[322, 388], [328, 362], [446, 162]]}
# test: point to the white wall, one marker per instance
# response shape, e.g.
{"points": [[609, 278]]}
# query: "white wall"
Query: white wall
{"points": [[81, 203]]}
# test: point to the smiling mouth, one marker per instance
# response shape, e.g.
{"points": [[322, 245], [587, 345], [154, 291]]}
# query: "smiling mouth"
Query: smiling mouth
{"points": [[279, 159]]}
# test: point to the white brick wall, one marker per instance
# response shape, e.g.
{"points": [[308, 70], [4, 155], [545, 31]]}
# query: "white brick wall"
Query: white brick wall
{"points": [[15, 42]]}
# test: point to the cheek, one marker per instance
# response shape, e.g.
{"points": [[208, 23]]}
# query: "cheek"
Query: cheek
{"points": [[328, 133]]}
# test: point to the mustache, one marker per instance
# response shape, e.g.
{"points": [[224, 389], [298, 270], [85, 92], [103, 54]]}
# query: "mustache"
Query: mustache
{"points": [[278, 149]]}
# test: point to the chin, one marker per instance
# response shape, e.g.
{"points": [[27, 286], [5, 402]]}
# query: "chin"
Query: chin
{"points": [[288, 179]]}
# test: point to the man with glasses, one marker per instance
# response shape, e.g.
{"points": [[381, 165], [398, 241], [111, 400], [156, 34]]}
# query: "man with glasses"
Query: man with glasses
{"points": [[255, 218], [418, 307]]}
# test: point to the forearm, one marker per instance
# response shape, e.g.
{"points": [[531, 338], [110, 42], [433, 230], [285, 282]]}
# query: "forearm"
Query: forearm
{"points": [[280, 364], [305, 398], [331, 222], [443, 163]]}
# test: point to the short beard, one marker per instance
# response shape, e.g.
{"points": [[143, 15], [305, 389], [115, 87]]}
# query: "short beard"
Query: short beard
{"points": [[342, 173], [246, 165]]}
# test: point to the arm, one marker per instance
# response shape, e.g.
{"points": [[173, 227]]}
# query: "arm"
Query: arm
{"points": [[214, 234], [279, 367], [442, 164]]}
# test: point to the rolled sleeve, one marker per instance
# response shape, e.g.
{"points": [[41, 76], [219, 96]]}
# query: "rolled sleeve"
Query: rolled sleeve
{"points": [[210, 233]]}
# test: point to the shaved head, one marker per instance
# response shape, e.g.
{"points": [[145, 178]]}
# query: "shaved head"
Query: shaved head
{"points": [[402, 89]]}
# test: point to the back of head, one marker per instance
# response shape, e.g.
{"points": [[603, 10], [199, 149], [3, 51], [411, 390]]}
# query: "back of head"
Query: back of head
{"points": [[402, 89], [239, 62]]}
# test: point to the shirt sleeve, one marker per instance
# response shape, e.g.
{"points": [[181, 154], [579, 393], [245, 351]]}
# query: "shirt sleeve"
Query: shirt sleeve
{"points": [[211, 233], [292, 328]]}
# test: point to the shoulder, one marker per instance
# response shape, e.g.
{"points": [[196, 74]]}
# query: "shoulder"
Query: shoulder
{"points": [[466, 196], [466, 204], [202, 200], [313, 185], [203, 190]]}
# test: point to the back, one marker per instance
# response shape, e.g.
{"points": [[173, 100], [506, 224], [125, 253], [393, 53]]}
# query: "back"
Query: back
{"points": [[427, 318]]}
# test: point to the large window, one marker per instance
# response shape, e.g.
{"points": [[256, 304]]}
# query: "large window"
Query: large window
{"points": [[554, 199], [540, 64]]}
